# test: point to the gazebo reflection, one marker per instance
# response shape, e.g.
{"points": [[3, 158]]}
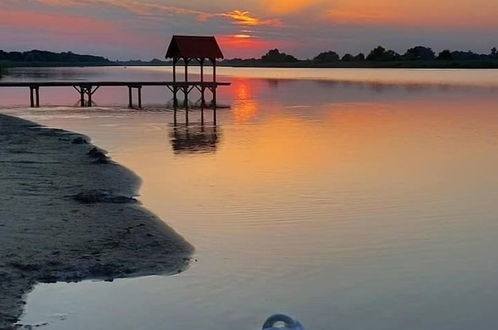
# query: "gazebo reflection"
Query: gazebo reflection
{"points": [[194, 138]]}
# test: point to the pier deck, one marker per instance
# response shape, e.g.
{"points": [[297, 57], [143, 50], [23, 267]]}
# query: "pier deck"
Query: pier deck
{"points": [[88, 88]]}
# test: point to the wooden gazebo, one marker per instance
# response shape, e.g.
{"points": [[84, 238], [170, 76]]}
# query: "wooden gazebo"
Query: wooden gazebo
{"points": [[195, 48]]}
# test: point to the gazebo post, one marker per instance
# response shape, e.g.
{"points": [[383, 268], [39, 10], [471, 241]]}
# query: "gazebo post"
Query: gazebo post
{"points": [[185, 89], [213, 60], [186, 60], [175, 91], [201, 61], [174, 69], [203, 100], [214, 69]]}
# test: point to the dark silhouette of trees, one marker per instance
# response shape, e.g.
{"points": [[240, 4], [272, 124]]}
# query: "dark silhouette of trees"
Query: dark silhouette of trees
{"points": [[445, 55], [275, 56], [419, 53], [45, 56], [494, 52], [465, 56], [350, 58], [381, 54], [360, 57], [418, 56], [347, 58], [327, 57]]}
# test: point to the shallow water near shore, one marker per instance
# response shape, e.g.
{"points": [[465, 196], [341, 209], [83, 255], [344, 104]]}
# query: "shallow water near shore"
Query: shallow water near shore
{"points": [[351, 199]]}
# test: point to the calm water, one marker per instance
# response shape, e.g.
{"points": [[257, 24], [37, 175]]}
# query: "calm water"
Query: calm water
{"points": [[352, 199]]}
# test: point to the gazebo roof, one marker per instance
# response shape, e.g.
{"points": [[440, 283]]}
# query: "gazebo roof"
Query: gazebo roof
{"points": [[194, 47]]}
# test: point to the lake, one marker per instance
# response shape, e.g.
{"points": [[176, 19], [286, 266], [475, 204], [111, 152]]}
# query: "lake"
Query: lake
{"points": [[348, 198]]}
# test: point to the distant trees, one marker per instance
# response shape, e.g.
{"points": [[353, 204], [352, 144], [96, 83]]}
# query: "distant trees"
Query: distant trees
{"points": [[347, 58], [381, 54], [275, 56], [359, 57], [47, 57], [327, 57], [445, 55], [331, 57], [419, 53], [350, 58], [418, 56]]}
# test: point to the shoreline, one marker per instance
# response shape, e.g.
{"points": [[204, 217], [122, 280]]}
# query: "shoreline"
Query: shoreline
{"points": [[441, 65], [68, 213]]}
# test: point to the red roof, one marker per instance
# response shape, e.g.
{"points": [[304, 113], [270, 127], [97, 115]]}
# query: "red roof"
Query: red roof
{"points": [[194, 47]]}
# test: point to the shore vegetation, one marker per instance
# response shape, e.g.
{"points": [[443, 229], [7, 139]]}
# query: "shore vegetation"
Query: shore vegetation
{"points": [[50, 59], [379, 57]]}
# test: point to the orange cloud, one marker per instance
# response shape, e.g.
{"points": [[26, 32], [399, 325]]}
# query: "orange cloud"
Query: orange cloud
{"points": [[245, 18]]}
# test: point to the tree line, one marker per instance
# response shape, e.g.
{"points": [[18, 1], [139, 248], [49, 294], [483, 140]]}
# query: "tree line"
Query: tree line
{"points": [[378, 54], [46, 57]]}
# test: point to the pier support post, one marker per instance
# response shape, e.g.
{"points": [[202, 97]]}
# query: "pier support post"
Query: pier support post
{"points": [[37, 91], [140, 97], [130, 97], [31, 97], [82, 96], [86, 90], [90, 93], [34, 96]]}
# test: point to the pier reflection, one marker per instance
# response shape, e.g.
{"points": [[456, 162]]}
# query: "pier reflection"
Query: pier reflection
{"points": [[194, 139], [198, 133]]}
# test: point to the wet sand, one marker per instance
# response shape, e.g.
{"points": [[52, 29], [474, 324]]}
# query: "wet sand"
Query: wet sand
{"points": [[68, 213]]}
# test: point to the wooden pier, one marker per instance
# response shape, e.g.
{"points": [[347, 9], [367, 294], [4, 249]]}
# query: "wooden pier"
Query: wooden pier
{"points": [[203, 49], [87, 89]]}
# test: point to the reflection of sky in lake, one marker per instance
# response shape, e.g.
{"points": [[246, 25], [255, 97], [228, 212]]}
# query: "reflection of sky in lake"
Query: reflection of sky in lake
{"points": [[351, 205]]}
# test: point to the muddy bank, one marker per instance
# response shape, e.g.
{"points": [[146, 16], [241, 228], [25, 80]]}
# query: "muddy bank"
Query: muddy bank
{"points": [[68, 213]]}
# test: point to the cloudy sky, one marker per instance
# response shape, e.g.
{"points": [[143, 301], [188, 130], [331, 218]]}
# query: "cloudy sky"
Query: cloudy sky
{"points": [[141, 29]]}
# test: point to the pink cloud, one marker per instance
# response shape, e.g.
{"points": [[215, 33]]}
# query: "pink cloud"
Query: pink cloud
{"points": [[64, 24]]}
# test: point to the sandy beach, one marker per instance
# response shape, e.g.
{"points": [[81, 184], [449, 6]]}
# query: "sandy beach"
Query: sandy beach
{"points": [[68, 213]]}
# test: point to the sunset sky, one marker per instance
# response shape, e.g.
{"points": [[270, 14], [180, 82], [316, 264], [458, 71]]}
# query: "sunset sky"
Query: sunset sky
{"points": [[140, 29]]}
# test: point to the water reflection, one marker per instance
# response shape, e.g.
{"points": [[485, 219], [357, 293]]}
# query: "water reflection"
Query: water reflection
{"points": [[341, 203], [193, 139], [245, 106]]}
